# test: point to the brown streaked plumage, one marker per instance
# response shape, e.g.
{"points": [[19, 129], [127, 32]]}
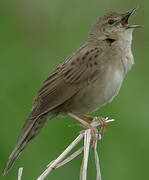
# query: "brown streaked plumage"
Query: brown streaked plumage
{"points": [[86, 80]]}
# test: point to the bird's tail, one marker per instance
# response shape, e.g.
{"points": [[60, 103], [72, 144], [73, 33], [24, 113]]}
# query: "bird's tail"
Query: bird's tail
{"points": [[30, 129]]}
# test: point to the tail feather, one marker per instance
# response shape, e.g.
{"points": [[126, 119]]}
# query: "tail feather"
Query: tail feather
{"points": [[30, 129], [14, 155]]}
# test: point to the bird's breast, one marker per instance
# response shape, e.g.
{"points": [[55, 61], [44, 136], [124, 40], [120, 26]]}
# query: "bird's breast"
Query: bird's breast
{"points": [[97, 93]]}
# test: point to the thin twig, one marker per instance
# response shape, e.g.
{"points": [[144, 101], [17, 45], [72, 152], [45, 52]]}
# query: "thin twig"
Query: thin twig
{"points": [[60, 162], [81, 169], [87, 140], [96, 156], [71, 157], [20, 173], [60, 158]]}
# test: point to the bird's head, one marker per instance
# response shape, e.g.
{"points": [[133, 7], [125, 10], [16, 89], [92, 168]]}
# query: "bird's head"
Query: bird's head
{"points": [[112, 25]]}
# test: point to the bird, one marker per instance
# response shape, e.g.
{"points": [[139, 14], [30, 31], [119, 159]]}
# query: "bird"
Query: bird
{"points": [[85, 81]]}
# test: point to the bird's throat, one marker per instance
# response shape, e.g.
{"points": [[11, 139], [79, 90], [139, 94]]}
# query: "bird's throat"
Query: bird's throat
{"points": [[110, 40]]}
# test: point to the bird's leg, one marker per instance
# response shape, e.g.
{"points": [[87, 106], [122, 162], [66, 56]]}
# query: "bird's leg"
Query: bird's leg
{"points": [[88, 117], [101, 119], [87, 126]]}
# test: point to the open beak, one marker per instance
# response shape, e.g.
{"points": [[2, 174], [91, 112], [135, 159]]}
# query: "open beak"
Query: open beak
{"points": [[124, 20]]}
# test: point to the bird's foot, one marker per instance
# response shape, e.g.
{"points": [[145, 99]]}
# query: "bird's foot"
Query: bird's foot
{"points": [[101, 120], [86, 126]]}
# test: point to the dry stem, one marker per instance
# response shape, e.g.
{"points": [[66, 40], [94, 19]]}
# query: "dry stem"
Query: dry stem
{"points": [[86, 148], [20, 171], [87, 140]]}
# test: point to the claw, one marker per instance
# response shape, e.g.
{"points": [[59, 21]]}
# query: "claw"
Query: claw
{"points": [[103, 124], [102, 121], [86, 126]]}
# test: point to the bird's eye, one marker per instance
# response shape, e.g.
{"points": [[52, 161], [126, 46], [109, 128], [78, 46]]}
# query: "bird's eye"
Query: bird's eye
{"points": [[111, 21]]}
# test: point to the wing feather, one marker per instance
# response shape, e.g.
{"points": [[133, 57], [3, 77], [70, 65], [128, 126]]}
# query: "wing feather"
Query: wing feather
{"points": [[67, 80]]}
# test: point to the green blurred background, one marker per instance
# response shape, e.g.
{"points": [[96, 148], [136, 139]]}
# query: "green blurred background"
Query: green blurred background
{"points": [[35, 36]]}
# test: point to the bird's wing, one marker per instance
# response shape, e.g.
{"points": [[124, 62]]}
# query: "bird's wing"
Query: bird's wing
{"points": [[68, 78]]}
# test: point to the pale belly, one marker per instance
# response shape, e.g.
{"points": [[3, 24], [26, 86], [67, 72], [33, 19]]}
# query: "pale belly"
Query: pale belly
{"points": [[97, 94]]}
